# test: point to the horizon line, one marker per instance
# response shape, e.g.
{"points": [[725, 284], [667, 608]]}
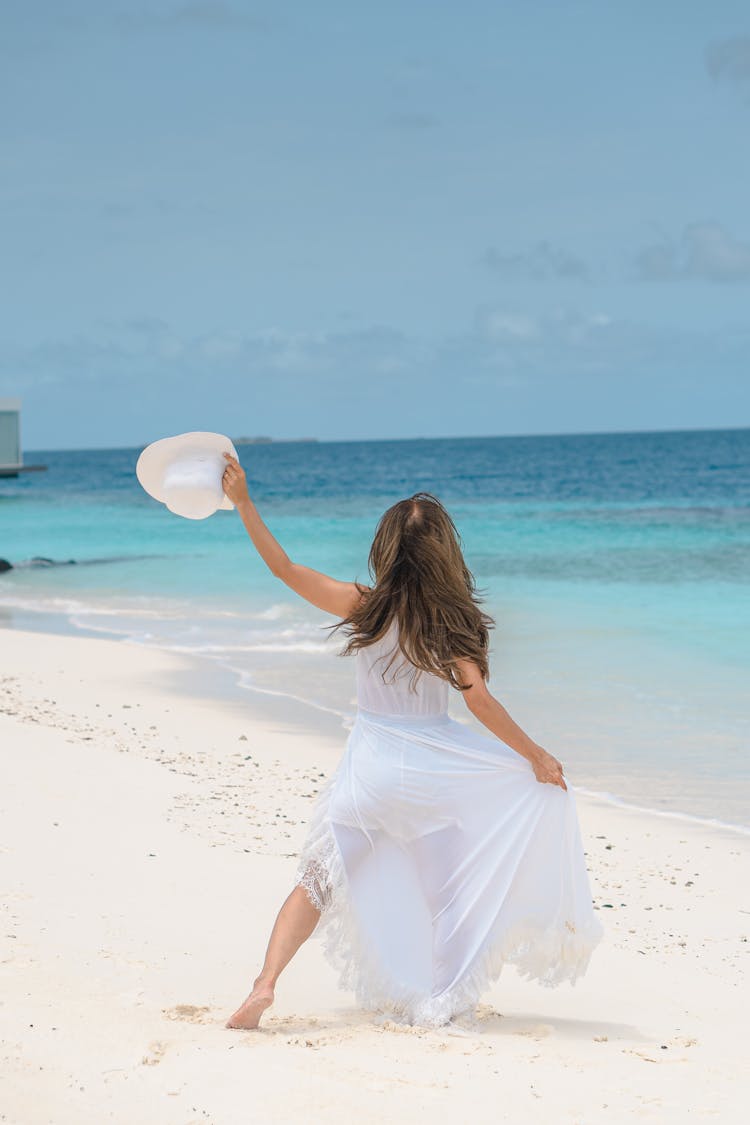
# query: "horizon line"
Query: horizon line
{"points": [[418, 437]]}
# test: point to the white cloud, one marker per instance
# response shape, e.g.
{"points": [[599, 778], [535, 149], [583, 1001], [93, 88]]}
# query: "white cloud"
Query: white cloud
{"points": [[506, 346], [729, 59], [705, 251], [541, 262], [561, 326], [147, 348], [713, 253], [501, 325]]}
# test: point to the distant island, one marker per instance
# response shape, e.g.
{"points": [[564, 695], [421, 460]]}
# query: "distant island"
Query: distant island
{"points": [[267, 440]]}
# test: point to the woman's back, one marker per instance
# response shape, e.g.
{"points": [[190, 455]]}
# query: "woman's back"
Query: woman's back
{"points": [[428, 695]]}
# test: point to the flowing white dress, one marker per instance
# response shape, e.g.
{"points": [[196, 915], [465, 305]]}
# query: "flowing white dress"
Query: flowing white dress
{"points": [[436, 857]]}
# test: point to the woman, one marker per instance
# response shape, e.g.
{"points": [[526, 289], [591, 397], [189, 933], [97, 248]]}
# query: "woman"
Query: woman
{"points": [[435, 853]]}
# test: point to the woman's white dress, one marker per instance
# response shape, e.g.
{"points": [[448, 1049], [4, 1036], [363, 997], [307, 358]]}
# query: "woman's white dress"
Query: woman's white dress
{"points": [[436, 857]]}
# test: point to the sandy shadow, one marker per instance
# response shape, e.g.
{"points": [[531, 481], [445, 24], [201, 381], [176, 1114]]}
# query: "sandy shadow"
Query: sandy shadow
{"points": [[535, 1026], [348, 1023]]}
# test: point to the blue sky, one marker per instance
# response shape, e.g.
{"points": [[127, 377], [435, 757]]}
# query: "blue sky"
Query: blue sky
{"points": [[386, 220]]}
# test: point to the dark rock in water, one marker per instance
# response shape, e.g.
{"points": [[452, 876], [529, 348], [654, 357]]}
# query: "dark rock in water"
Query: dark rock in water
{"points": [[5, 565], [39, 560]]}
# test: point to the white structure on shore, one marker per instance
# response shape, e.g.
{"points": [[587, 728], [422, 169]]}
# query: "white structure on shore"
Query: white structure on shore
{"points": [[11, 458]]}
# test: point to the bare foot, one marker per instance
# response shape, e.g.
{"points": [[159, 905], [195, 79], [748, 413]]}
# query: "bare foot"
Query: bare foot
{"points": [[249, 1013]]}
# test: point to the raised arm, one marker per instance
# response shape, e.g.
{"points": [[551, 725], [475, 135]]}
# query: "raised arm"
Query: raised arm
{"points": [[482, 704], [338, 598]]}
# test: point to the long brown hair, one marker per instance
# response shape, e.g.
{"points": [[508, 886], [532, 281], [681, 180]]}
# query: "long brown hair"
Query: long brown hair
{"points": [[421, 579]]}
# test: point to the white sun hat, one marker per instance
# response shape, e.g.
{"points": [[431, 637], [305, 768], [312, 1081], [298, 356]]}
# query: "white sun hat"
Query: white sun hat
{"points": [[185, 472]]}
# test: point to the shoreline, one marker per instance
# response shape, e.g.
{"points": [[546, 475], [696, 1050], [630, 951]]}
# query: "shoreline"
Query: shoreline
{"points": [[230, 684]]}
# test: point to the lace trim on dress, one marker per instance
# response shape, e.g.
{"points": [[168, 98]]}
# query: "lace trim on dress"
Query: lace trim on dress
{"points": [[551, 955]]}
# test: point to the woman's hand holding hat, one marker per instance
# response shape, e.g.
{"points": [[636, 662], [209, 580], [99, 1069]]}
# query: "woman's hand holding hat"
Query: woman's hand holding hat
{"points": [[234, 481]]}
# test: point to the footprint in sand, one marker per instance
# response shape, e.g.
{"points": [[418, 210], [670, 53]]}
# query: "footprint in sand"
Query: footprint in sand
{"points": [[536, 1031], [188, 1013], [303, 1033], [314, 1043], [157, 1050], [382, 1023], [435, 1035], [487, 1019]]}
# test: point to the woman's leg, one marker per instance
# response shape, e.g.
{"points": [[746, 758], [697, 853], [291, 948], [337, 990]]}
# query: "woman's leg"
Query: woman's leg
{"points": [[294, 923]]}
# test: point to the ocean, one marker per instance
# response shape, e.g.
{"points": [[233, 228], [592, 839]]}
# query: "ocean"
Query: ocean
{"points": [[616, 566]]}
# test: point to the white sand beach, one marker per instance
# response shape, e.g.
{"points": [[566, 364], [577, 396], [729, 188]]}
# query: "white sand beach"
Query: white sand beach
{"points": [[148, 835]]}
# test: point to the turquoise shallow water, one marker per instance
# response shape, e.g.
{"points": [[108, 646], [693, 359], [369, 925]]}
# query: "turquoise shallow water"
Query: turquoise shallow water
{"points": [[617, 567]]}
